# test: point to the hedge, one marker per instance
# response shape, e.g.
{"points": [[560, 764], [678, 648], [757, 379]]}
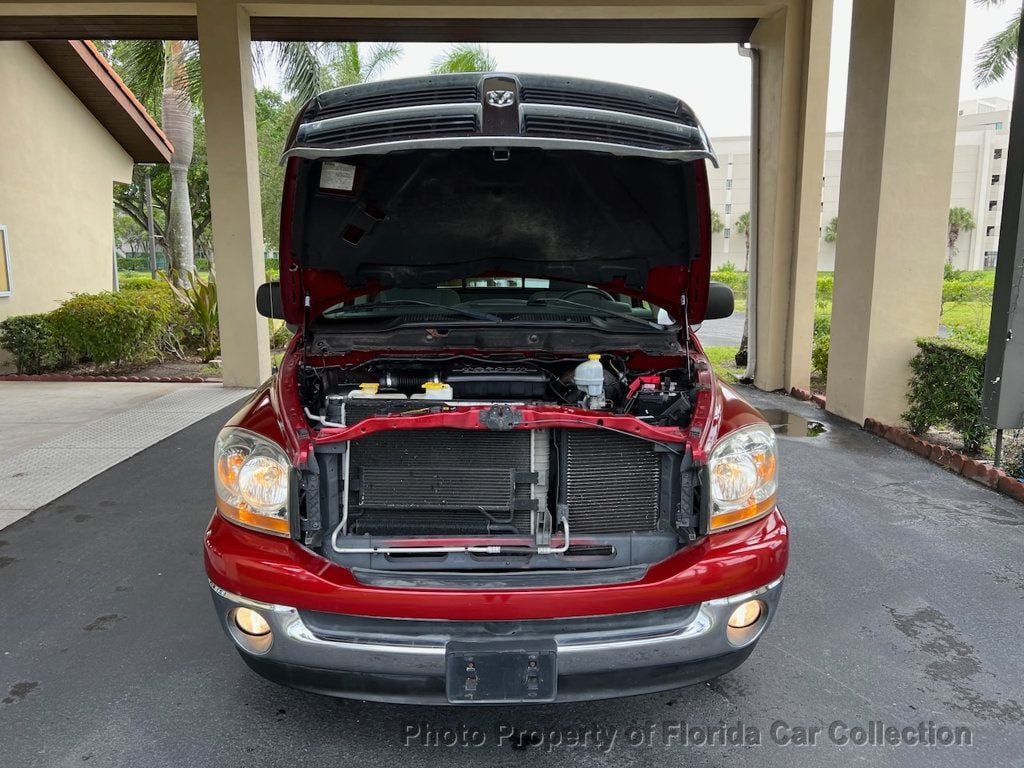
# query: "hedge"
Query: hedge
{"points": [[945, 389], [30, 342], [109, 328]]}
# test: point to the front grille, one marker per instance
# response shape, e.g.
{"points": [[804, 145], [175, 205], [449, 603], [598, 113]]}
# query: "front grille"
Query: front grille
{"points": [[455, 94], [404, 129], [533, 94], [611, 482], [558, 127]]}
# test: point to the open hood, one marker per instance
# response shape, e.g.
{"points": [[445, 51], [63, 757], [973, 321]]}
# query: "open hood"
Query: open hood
{"points": [[363, 217]]}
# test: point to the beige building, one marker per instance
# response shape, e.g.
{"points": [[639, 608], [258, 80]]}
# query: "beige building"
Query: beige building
{"points": [[70, 129], [982, 136]]}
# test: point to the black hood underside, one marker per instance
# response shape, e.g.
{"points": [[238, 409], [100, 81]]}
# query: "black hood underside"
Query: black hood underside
{"points": [[422, 217]]}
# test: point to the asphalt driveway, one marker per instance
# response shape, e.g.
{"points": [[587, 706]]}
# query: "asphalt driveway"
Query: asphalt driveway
{"points": [[902, 606]]}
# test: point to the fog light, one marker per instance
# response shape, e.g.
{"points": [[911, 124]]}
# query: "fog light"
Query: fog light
{"points": [[252, 623], [745, 614]]}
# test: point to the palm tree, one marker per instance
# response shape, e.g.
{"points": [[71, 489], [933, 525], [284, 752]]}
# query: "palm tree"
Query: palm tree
{"points": [[166, 73], [999, 54], [831, 230], [464, 57], [960, 220], [716, 223], [743, 227]]}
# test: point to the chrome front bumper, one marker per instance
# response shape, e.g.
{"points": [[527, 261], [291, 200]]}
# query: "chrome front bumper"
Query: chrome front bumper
{"points": [[404, 661]]}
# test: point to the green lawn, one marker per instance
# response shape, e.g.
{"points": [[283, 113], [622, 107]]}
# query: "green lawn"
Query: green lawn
{"points": [[723, 362]]}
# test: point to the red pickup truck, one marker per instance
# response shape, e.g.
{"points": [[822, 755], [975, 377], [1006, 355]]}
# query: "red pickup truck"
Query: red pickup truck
{"points": [[495, 465]]}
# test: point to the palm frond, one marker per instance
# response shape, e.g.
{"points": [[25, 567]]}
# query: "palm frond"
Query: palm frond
{"points": [[140, 63], [999, 55], [192, 72], [380, 57], [303, 69], [464, 57]]}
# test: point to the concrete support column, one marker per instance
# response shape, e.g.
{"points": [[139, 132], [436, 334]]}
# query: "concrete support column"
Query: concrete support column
{"points": [[793, 45], [901, 111], [224, 47]]}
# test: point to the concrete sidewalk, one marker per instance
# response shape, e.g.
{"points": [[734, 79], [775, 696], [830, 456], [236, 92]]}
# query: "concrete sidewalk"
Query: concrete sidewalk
{"points": [[57, 435]]}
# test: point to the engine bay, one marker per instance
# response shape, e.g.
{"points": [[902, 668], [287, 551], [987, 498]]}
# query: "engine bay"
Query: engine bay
{"points": [[595, 382]]}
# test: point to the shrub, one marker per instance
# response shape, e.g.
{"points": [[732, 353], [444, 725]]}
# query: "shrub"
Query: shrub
{"points": [[200, 298], [824, 286], [819, 353], [279, 336], [727, 267], [1013, 453], [28, 339], [108, 327], [946, 389], [737, 281], [137, 283]]}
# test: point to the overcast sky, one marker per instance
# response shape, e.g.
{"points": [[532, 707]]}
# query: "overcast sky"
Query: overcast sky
{"points": [[713, 79]]}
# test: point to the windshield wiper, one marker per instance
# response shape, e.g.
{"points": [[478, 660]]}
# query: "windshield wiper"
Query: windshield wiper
{"points": [[591, 309], [473, 313]]}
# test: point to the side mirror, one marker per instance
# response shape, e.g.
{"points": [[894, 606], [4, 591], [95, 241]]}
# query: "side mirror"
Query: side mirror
{"points": [[268, 301], [720, 301]]}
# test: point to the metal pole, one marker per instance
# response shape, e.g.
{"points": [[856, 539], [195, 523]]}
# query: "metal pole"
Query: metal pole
{"points": [[149, 225], [999, 449]]}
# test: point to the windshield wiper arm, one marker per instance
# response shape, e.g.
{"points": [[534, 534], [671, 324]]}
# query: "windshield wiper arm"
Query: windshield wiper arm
{"points": [[591, 309], [466, 312]]}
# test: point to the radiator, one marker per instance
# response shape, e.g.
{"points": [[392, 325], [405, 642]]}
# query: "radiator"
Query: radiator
{"points": [[611, 481]]}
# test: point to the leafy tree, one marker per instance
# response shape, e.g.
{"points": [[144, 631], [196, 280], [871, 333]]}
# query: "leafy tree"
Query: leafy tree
{"points": [[274, 117], [464, 57], [960, 220], [999, 54], [831, 230], [743, 228], [716, 222]]}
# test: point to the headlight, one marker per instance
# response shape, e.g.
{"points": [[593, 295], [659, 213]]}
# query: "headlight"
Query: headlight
{"points": [[742, 468], [251, 476]]}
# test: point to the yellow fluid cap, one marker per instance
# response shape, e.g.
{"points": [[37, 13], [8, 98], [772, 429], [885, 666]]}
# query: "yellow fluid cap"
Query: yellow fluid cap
{"points": [[434, 385], [593, 357], [369, 386]]}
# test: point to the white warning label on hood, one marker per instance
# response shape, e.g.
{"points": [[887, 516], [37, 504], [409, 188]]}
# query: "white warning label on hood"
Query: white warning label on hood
{"points": [[337, 177]]}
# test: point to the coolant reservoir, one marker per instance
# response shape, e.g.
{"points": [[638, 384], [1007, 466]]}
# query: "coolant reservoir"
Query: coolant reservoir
{"points": [[589, 376], [434, 390], [368, 390]]}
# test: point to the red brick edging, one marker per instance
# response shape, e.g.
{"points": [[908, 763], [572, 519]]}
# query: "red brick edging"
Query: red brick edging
{"points": [[961, 464], [134, 379]]}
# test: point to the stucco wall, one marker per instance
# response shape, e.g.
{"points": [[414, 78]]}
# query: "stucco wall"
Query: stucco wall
{"points": [[57, 169]]}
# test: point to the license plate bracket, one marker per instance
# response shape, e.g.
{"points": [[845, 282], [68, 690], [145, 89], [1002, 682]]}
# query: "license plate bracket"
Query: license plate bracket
{"points": [[501, 672]]}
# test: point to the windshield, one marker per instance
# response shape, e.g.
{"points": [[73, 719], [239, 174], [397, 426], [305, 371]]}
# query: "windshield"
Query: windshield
{"points": [[503, 300]]}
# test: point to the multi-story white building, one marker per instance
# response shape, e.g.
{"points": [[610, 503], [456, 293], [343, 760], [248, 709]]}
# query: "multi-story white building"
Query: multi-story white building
{"points": [[982, 136]]}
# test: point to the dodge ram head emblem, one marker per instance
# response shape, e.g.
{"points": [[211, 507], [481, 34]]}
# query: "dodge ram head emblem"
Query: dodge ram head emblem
{"points": [[500, 98]]}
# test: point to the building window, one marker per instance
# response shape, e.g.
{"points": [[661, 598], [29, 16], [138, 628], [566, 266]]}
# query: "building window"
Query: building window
{"points": [[727, 232], [728, 207], [999, 126], [997, 154], [995, 178], [990, 231], [990, 259], [5, 263], [992, 204]]}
